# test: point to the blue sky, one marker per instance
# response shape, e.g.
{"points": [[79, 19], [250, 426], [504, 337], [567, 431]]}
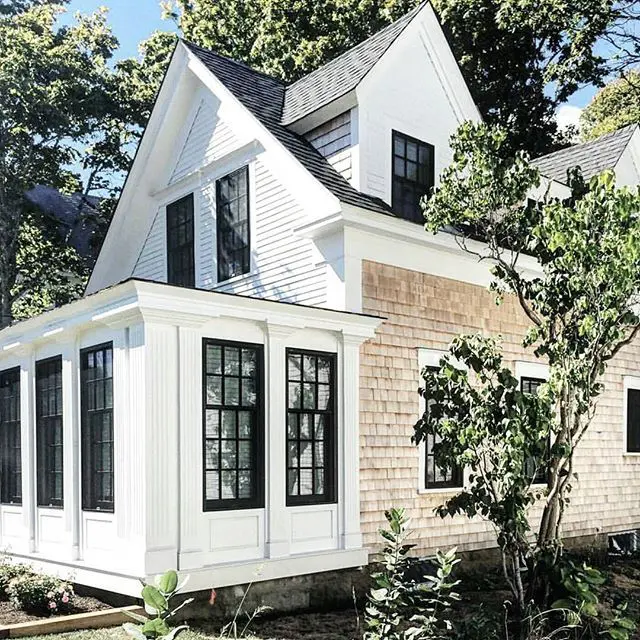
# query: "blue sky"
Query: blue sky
{"points": [[131, 20]]}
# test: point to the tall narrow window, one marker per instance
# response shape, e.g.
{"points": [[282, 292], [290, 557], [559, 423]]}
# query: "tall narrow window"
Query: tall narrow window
{"points": [[49, 431], [311, 427], [435, 477], [233, 425], [10, 451], [413, 175], [97, 428], [180, 250], [633, 420], [536, 469], [232, 213]]}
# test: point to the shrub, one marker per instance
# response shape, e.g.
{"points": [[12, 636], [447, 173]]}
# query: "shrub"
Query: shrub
{"points": [[8, 572], [40, 593]]}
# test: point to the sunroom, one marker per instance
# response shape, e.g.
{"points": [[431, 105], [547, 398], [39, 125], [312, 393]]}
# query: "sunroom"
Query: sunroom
{"points": [[149, 427]]}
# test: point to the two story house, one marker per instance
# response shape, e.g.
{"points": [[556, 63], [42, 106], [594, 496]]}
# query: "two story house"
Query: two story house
{"points": [[237, 389]]}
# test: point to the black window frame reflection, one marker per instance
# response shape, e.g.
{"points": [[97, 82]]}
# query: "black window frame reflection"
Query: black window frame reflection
{"points": [[330, 439], [257, 500]]}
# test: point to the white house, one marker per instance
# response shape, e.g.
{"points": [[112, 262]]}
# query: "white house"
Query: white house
{"points": [[238, 387]]}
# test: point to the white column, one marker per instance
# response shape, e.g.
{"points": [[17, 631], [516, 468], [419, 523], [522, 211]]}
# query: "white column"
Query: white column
{"points": [[71, 444], [193, 536], [278, 534], [28, 449], [349, 451]]}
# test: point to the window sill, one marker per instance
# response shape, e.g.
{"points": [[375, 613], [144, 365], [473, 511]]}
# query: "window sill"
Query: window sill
{"points": [[631, 454], [235, 279], [424, 491]]}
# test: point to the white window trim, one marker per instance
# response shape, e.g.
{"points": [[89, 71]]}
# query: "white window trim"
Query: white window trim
{"points": [[431, 358], [629, 382], [538, 370]]}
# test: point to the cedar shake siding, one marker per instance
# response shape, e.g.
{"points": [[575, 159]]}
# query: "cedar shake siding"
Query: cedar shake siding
{"points": [[424, 311]]}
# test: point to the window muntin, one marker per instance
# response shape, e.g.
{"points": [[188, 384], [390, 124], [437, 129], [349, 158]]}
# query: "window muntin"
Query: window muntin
{"points": [[633, 420], [413, 175], [435, 477], [233, 425], [180, 243], [10, 441], [311, 427], [533, 469], [97, 428], [49, 435], [232, 223]]}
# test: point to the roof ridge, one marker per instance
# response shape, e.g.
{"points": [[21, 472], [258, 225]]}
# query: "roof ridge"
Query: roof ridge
{"points": [[598, 140], [239, 63], [407, 16]]}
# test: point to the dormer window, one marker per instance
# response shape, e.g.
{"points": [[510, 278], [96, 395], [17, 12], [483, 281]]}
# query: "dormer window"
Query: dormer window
{"points": [[232, 214], [413, 175], [180, 251]]}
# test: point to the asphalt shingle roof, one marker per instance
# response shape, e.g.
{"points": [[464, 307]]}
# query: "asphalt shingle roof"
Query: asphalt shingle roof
{"points": [[592, 157], [264, 97], [341, 75]]}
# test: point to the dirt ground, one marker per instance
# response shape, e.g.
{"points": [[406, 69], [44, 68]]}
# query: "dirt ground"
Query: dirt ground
{"points": [[10, 615]]}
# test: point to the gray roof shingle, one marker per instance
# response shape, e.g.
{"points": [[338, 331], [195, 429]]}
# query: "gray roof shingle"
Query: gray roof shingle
{"points": [[263, 96], [592, 157], [341, 75]]}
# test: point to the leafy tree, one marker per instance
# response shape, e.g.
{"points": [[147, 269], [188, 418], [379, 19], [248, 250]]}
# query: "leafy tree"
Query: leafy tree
{"points": [[613, 107], [521, 59], [582, 307], [68, 119]]}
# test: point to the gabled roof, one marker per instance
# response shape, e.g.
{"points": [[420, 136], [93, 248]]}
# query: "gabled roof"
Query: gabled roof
{"points": [[592, 157], [342, 74], [263, 96]]}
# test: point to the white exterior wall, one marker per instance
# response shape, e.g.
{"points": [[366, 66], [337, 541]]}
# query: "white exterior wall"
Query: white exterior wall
{"points": [[415, 89], [283, 266], [159, 522], [627, 169]]}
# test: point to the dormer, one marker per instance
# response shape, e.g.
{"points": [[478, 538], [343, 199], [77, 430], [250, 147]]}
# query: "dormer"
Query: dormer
{"points": [[383, 112]]}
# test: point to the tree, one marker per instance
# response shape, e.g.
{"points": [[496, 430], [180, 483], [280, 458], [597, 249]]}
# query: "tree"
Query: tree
{"points": [[521, 59], [613, 107], [67, 120], [582, 305]]}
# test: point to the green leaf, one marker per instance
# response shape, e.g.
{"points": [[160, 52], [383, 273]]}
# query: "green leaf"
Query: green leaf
{"points": [[154, 601], [168, 582]]}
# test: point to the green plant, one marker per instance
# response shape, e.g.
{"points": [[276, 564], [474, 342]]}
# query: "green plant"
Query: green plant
{"points": [[41, 593], [10, 570], [157, 603], [620, 626], [399, 607]]}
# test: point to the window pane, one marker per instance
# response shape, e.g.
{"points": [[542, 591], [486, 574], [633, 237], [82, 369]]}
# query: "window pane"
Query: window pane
{"points": [[231, 415], [310, 420], [97, 428], [232, 223], [180, 250], [10, 443]]}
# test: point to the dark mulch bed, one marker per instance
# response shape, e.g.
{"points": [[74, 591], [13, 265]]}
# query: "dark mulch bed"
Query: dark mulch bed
{"points": [[11, 615]]}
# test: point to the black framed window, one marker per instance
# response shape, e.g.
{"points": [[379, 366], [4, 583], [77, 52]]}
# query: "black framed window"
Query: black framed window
{"points": [[534, 468], [413, 175], [49, 432], [180, 249], [633, 420], [10, 449], [96, 365], [233, 425], [232, 215], [436, 477], [311, 427]]}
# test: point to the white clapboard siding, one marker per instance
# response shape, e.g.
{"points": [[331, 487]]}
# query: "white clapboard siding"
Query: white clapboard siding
{"points": [[209, 138], [151, 264], [285, 265], [333, 140]]}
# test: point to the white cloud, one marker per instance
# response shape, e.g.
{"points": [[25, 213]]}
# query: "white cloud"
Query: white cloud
{"points": [[568, 115]]}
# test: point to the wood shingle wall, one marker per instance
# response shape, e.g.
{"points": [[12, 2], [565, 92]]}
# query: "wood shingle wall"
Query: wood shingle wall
{"points": [[425, 311]]}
